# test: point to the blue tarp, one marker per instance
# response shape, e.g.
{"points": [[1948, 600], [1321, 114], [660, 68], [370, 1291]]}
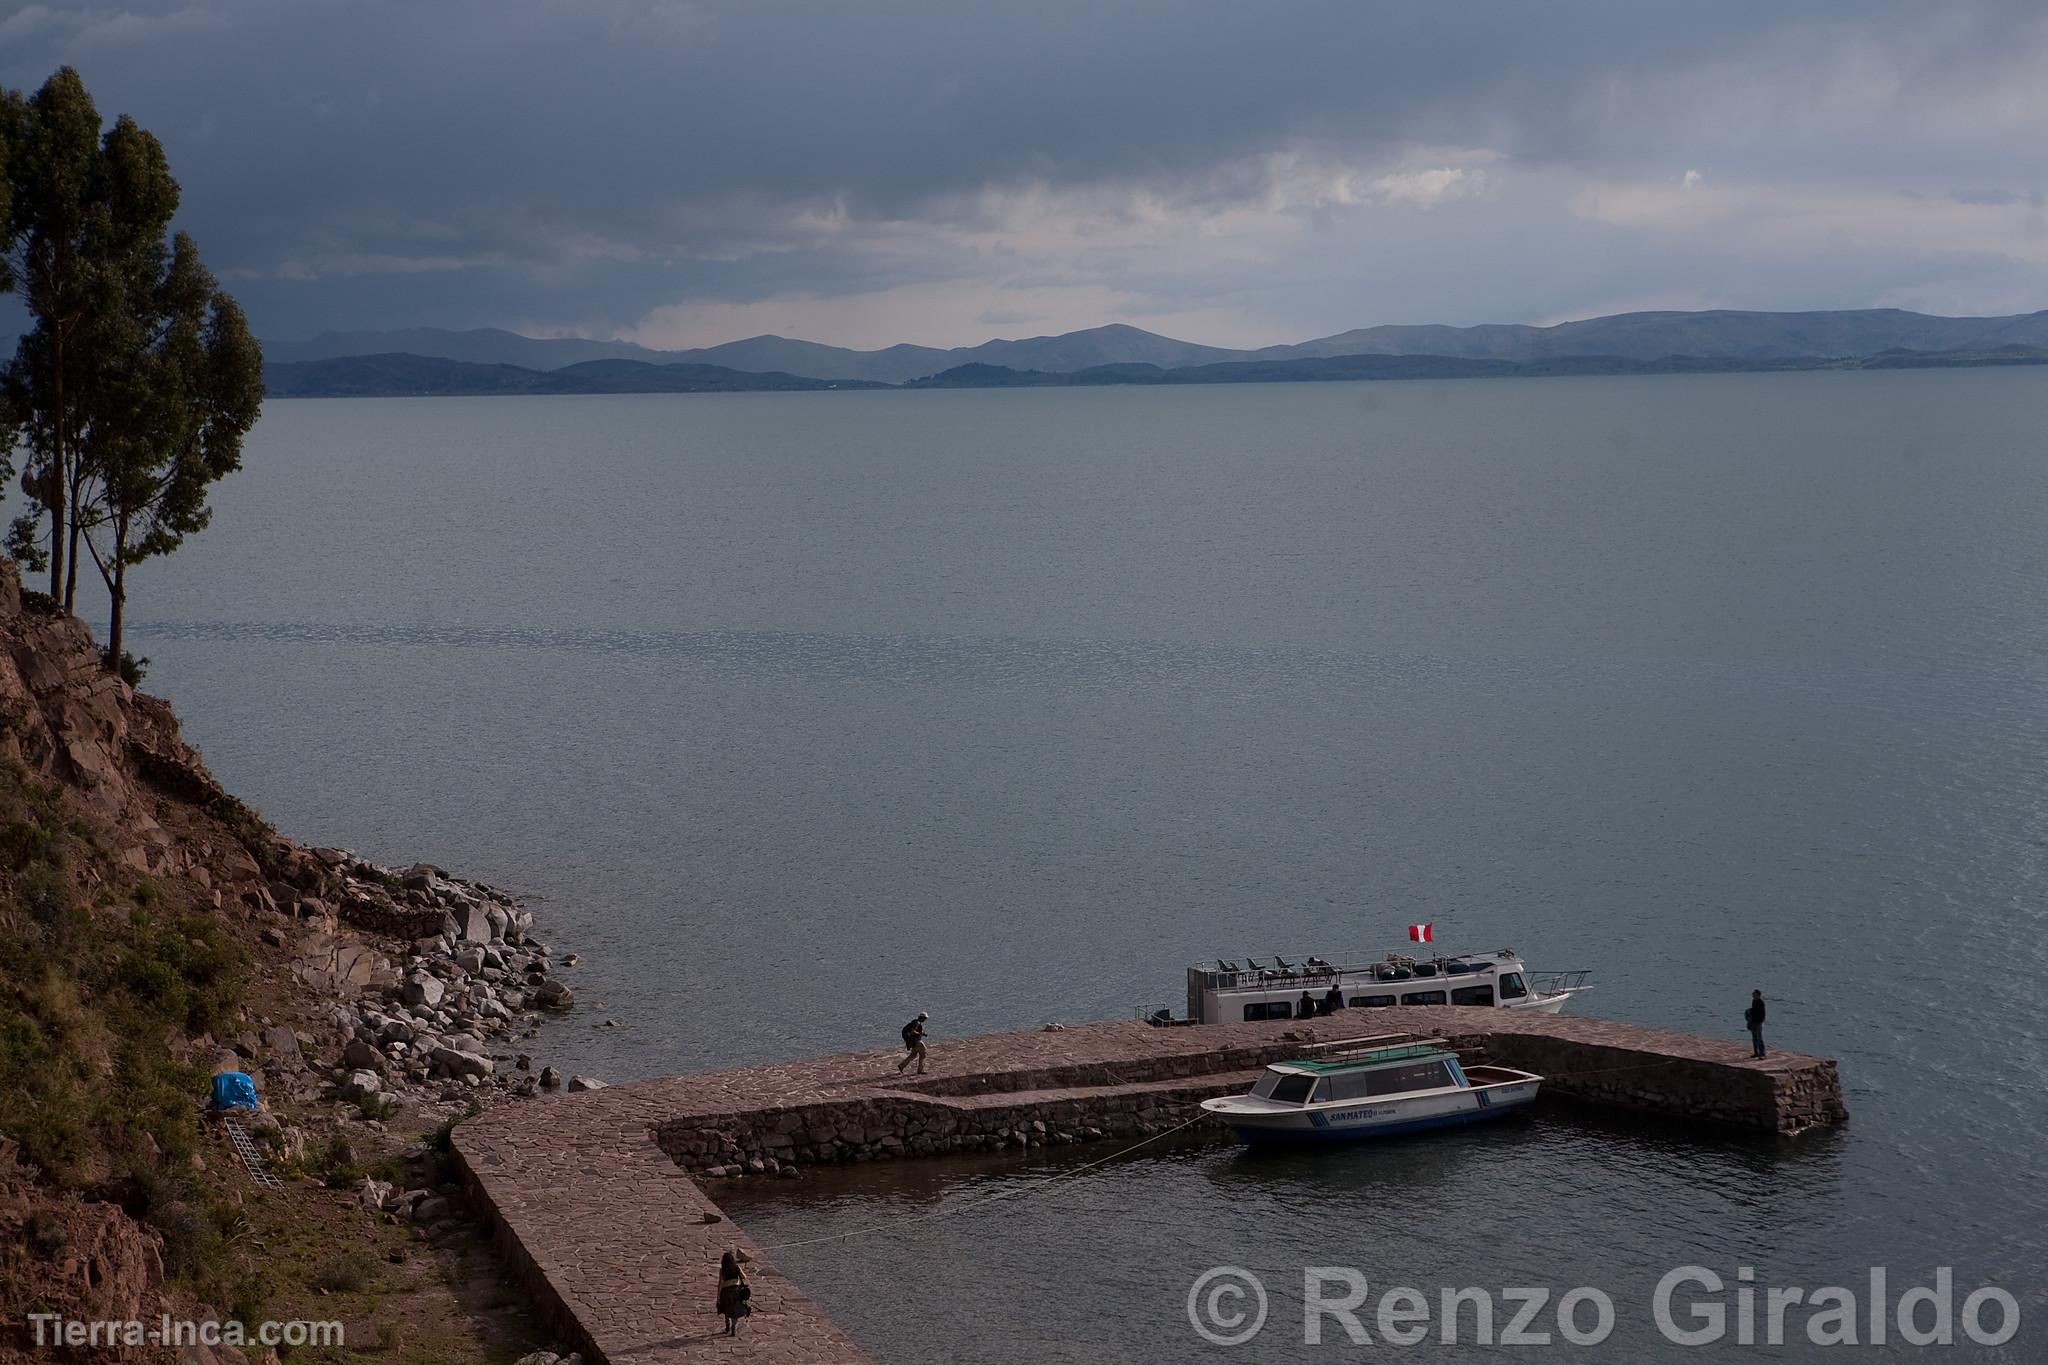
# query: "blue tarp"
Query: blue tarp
{"points": [[233, 1090]]}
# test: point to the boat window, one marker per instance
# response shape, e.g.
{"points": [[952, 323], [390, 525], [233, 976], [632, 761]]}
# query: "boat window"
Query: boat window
{"points": [[1369, 1002], [1423, 998], [1512, 987], [1399, 1080], [1472, 995], [1348, 1086], [1293, 1089], [1272, 1009]]}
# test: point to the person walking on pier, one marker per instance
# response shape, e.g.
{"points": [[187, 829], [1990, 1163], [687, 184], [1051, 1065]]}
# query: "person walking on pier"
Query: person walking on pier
{"points": [[1754, 1017], [733, 1291], [913, 1043]]}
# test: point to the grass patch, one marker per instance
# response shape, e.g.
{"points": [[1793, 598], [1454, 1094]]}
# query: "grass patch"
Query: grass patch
{"points": [[345, 1272], [91, 1001]]}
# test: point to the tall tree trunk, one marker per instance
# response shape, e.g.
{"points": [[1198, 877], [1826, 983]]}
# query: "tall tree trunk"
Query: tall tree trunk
{"points": [[117, 594], [71, 562], [58, 475]]}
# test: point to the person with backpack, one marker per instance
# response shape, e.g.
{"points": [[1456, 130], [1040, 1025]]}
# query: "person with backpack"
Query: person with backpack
{"points": [[913, 1044]]}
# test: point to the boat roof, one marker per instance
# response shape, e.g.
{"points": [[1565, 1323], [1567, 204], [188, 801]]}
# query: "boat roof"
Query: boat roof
{"points": [[1433, 1049], [1308, 964]]}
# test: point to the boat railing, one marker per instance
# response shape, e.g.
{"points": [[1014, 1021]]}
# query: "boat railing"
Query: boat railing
{"points": [[1327, 974], [1560, 982]]}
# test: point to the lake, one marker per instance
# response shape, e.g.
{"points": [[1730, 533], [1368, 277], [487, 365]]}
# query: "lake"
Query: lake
{"points": [[802, 713]]}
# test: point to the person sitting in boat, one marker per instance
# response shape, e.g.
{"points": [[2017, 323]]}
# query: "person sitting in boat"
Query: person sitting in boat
{"points": [[1307, 1008], [1333, 1001]]}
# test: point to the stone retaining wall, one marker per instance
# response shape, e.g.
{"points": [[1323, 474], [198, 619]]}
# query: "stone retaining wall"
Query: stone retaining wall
{"points": [[776, 1140], [1691, 1088]]}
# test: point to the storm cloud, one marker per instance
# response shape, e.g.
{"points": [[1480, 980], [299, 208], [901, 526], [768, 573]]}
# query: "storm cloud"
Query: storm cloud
{"points": [[684, 173]]}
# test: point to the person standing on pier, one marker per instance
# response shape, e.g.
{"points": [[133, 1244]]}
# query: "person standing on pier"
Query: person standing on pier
{"points": [[1754, 1017], [913, 1043]]}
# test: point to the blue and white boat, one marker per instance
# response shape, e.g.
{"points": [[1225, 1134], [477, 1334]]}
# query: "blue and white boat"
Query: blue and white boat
{"points": [[1373, 1091]]}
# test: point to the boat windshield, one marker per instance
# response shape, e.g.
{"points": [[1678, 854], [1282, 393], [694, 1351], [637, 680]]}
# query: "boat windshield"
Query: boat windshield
{"points": [[1285, 1087]]}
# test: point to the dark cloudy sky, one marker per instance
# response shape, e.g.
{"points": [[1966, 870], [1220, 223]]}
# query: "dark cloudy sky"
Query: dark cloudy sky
{"points": [[1237, 173]]}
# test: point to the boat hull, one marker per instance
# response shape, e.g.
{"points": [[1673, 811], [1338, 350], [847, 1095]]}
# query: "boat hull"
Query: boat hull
{"points": [[1340, 1122]]}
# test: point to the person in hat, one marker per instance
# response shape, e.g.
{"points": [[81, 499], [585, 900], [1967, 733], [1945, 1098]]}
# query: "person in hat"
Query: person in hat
{"points": [[733, 1291], [913, 1044]]}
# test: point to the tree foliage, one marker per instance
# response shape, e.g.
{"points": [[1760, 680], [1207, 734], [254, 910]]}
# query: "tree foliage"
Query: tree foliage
{"points": [[131, 393]]}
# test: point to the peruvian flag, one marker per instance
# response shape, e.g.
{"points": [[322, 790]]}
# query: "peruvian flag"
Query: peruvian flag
{"points": [[1421, 933]]}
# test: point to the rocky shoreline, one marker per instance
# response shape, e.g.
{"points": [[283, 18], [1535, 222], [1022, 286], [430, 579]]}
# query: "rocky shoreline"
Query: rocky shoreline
{"points": [[434, 1026]]}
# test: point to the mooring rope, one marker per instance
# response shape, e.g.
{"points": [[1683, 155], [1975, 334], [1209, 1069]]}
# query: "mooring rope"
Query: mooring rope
{"points": [[1012, 1193]]}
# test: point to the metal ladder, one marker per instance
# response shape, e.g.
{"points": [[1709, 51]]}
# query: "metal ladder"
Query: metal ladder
{"points": [[252, 1156]]}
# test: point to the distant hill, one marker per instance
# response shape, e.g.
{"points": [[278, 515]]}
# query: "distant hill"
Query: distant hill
{"points": [[414, 376], [482, 346], [1314, 368], [1115, 344], [1648, 337], [1654, 336]]}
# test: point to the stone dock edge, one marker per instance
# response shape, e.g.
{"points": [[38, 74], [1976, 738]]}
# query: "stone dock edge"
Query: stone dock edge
{"points": [[594, 1200]]}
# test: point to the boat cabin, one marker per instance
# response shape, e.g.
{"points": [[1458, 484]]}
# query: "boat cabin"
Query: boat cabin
{"points": [[1233, 992], [1372, 1087]]}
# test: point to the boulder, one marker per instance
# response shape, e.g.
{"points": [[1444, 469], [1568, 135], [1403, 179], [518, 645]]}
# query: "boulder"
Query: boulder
{"points": [[361, 1055], [472, 924], [551, 994], [422, 991], [448, 1061], [550, 1077], [362, 1085], [375, 1194], [281, 1042], [471, 960], [432, 1209], [582, 1083]]}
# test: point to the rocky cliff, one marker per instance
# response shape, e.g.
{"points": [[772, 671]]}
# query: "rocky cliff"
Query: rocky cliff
{"points": [[153, 930]]}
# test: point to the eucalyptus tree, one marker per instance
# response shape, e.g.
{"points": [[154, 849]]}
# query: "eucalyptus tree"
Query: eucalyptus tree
{"points": [[132, 391], [167, 422], [56, 180]]}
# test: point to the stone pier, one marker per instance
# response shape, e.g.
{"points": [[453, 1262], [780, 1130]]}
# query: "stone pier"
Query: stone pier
{"points": [[595, 1202]]}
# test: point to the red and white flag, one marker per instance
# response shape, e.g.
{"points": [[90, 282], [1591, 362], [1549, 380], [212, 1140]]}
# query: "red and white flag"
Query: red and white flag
{"points": [[1421, 933]]}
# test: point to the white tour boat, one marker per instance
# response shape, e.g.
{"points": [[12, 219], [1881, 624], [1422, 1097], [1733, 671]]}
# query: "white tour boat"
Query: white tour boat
{"points": [[1376, 1088], [1226, 992]]}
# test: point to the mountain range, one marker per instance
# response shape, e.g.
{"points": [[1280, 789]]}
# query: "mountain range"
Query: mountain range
{"points": [[400, 375], [412, 376], [1644, 337]]}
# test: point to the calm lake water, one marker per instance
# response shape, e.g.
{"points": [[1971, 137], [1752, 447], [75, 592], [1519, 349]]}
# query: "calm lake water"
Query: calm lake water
{"points": [[806, 712]]}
